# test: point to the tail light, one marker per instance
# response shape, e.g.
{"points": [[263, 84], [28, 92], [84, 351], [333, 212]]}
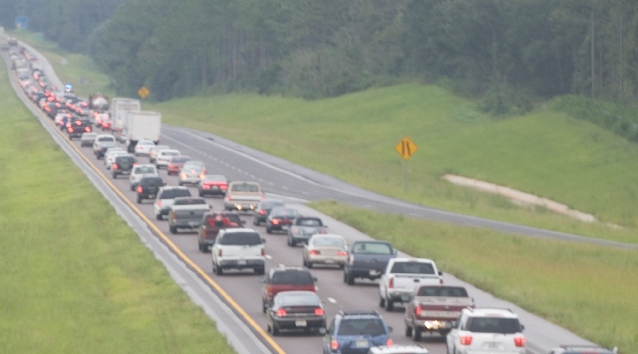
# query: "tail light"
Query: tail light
{"points": [[174, 216], [70, 129], [465, 340], [140, 189], [391, 283], [441, 281], [275, 221], [219, 253], [417, 311], [334, 345], [263, 252], [389, 342], [280, 313], [315, 252], [201, 176], [224, 186], [319, 311], [520, 341], [230, 198], [77, 122], [159, 203], [114, 166], [87, 129], [262, 212], [269, 291], [262, 197], [342, 253], [295, 230]]}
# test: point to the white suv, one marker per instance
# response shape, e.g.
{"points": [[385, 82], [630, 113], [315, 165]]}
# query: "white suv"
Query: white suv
{"points": [[238, 248], [487, 331]]}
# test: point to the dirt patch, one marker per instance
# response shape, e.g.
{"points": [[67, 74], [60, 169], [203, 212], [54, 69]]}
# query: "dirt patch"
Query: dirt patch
{"points": [[518, 197]]}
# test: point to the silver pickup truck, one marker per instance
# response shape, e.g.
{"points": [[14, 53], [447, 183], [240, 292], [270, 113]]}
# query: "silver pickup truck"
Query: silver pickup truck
{"points": [[243, 196], [187, 213]]}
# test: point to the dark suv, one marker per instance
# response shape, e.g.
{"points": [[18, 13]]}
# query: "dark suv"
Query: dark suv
{"points": [[212, 222], [285, 279], [355, 332], [264, 208], [148, 187], [123, 165]]}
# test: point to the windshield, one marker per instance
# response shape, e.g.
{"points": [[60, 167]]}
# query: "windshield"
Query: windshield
{"points": [[412, 268], [296, 277], [372, 248], [245, 187], [493, 325], [361, 326], [446, 291], [240, 239], [288, 298], [153, 182], [328, 241]]}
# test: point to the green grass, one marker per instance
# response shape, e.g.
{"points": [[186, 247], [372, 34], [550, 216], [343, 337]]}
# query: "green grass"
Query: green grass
{"points": [[587, 289], [75, 278]]}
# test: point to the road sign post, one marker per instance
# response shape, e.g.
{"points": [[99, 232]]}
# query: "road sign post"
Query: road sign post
{"points": [[406, 148]]}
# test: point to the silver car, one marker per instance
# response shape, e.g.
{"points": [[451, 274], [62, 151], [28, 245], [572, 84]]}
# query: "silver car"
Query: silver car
{"points": [[192, 173], [140, 171], [143, 147], [325, 249]]}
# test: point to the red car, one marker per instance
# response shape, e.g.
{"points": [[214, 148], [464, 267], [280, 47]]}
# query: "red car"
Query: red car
{"points": [[213, 185], [285, 279], [176, 164]]}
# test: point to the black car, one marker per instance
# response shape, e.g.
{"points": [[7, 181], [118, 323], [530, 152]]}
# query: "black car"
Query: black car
{"points": [[368, 259], [263, 209], [123, 165], [148, 187], [77, 127], [303, 227], [356, 332], [280, 218], [296, 310]]}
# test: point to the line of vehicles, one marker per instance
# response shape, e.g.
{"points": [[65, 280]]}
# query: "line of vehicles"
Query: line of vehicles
{"points": [[288, 295]]}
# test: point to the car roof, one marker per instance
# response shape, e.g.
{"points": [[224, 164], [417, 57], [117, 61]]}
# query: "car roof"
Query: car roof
{"points": [[399, 349], [410, 259], [490, 312]]}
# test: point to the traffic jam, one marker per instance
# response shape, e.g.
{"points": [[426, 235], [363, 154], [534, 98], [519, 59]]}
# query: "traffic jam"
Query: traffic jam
{"points": [[311, 288]]}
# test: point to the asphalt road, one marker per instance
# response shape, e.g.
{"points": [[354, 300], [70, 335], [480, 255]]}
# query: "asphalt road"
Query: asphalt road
{"points": [[296, 184]]}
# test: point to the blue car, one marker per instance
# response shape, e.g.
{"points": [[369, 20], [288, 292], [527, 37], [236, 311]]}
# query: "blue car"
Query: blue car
{"points": [[356, 332]]}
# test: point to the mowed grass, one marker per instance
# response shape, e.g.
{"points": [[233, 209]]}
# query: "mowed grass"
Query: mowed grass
{"points": [[587, 289], [75, 278]]}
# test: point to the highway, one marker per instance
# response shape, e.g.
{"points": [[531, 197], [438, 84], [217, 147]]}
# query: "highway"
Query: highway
{"points": [[294, 184]]}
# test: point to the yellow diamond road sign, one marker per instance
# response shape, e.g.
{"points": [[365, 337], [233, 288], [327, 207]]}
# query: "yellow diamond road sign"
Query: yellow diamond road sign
{"points": [[406, 148], [143, 92]]}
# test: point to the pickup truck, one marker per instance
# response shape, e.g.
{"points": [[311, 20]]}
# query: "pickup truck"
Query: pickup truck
{"points": [[402, 276], [211, 223], [435, 308], [367, 259], [186, 213], [243, 196]]}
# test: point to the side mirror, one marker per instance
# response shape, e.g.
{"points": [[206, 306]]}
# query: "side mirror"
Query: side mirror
{"points": [[522, 327], [440, 272], [263, 240], [390, 329], [395, 252], [314, 279]]}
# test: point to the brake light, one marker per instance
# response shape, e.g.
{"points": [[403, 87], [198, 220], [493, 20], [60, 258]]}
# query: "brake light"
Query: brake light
{"points": [[275, 221], [520, 341], [262, 212], [391, 283], [441, 281], [87, 129], [184, 175], [262, 197], [201, 176], [315, 252], [114, 166], [351, 259], [417, 311], [224, 186], [465, 340], [70, 130], [334, 345], [280, 313], [140, 189], [389, 342], [219, 253], [174, 215], [77, 122], [319, 311], [230, 198], [269, 291], [159, 203], [342, 253]]}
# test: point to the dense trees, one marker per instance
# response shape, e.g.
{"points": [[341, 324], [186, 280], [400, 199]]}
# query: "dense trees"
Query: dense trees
{"points": [[504, 51]]}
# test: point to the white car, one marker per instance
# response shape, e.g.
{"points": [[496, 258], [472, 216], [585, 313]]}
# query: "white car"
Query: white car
{"points": [[238, 248], [139, 171], [402, 276], [152, 152], [143, 147], [487, 330], [163, 157]]}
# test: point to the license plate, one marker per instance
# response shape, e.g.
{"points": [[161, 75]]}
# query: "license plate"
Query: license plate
{"points": [[405, 297], [300, 323], [151, 196], [241, 262], [329, 261], [284, 227], [126, 172], [362, 343], [492, 345], [215, 187], [373, 272], [193, 223]]}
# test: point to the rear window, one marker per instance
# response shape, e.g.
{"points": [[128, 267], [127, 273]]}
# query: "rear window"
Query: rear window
{"points": [[123, 159], [245, 187], [328, 241], [174, 193], [493, 325], [412, 268], [180, 159], [442, 291], [297, 299], [145, 169], [295, 277], [372, 248], [154, 182], [359, 326], [169, 153], [284, 212], [309, 222], [106, 138], [187, 201], [240, 239], [215, 178]]}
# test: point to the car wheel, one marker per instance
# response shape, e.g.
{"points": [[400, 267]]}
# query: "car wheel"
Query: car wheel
{"points": [[416, 334], [139, 200], [173, 229], [132, 187], [381, 301], [260, 271], [309, 264], [350, 279], [389, 305], [263, 306], [408, 331], [275, 330], [114, 176], [268, 230], [159, 216]]}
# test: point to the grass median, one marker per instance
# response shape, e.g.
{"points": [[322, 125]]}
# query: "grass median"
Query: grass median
{"points": [[590, 290], [75, 278]]}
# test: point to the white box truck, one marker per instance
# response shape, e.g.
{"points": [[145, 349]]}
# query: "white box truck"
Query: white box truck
{"points": [[120, 108], [142, 125]]}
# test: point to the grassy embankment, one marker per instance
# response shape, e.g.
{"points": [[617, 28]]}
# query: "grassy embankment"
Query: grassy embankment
{"points": [[75, 278], [585, 288]]}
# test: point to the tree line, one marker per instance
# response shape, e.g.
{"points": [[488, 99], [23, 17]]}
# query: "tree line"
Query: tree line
{"points": [[507, 52]]}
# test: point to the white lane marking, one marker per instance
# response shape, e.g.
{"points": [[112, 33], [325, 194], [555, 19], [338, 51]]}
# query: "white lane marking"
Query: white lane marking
{"points": [[305, 193], [284, 187], [331, 300]]}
